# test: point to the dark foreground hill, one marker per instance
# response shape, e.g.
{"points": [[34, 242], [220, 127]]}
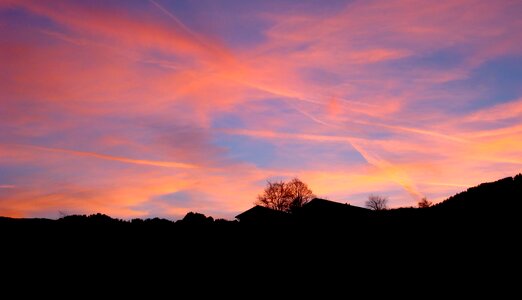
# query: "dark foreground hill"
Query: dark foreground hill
{"points": [[504, 195], [500, 201], [467, 244], [475, 233]]}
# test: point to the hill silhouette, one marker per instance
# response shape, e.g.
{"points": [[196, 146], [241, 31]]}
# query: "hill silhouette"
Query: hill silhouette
{"points": [[471, 231], [488, 214], [502, 195], [500, 200]]}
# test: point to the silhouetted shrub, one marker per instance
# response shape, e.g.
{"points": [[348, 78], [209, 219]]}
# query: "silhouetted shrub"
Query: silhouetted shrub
{"points": [[197, 219]]}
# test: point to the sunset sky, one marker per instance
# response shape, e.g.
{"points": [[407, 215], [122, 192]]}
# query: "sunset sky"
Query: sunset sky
{"points": [[154, 108]]}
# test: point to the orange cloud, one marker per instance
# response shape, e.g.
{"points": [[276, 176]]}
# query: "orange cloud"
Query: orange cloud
{"points": [[353, 83], [126, 28], [498, 112], [165, 164]]}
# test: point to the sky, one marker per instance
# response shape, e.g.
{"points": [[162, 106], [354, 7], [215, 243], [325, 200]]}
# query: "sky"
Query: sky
{"points": [[154, 108]]}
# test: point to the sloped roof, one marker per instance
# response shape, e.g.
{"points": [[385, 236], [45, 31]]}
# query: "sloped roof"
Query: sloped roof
{"points": [[261, 212], [323, 204]]}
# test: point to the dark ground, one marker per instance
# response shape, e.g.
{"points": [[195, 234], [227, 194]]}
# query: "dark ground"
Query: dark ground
{"points": [[475, 233]]}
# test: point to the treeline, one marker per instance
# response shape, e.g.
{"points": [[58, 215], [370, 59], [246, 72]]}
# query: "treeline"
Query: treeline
{"points": [[99, 219], [322, 234], [498, 201]]}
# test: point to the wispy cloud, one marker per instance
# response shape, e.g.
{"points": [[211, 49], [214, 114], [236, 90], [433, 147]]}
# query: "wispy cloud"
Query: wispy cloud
{"points": [[108, 106], [154, 163]]}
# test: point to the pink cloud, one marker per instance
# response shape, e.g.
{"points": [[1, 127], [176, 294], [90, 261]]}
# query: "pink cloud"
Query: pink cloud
{"points": [[165, 164], [141, 97], [498, 112]]}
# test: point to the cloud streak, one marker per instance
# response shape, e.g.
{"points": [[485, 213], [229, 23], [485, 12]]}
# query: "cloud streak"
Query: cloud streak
{"points": [[154, 163], [129, 108]]}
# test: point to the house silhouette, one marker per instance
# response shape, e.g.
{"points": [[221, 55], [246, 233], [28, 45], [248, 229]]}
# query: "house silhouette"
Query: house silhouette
{"points": [[326, 211], [317, 210], [262, 215]]}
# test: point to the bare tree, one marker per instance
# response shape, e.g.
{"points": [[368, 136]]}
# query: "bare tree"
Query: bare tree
{"points": [[424, 203], [376, 202], [300, 193], [285, 196], [275, 196]]}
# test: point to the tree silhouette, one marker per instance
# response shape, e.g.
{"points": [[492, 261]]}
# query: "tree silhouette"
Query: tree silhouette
{"points": [[196, 219], [285, 196], [376, 202], [424, 203], [300, 192]]}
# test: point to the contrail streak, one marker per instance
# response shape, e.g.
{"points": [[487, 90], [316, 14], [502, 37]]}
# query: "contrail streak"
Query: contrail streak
{"points": [[174, 18], [165, 164]]}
